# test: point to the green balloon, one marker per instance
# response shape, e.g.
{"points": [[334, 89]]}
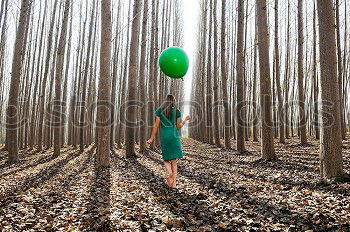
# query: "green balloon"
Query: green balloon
{"points": [[174, 62]]}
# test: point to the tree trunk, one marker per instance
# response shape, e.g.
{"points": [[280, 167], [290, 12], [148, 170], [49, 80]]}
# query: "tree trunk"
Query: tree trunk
{"points": [[330, 150], [268, 150], [287, 76], [143, 126], [278, 81], [104, 98], [209, 80], [12, 109], [226, 124], [302, 117], [216, 77], [240, 112], [58, 83], [82, 126], [315, 77], [131, 112], [44, 81], [340, 71]]}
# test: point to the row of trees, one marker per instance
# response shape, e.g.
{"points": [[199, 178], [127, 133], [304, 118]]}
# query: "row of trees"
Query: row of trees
{"points": [[78, 67], [273, 94]]}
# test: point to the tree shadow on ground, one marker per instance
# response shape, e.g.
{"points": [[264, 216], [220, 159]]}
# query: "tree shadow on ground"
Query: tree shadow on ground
{"points": [[42, 160], [261, 206], [178, 203], [35, 181], [99, 201]]}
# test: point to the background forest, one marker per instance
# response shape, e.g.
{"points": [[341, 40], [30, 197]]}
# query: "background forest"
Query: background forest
{"points": [[268, 92]]}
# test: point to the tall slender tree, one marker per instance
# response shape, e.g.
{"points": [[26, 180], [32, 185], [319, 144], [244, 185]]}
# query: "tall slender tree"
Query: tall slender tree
{"points": [[240, 112], [227, 134], [216, 77], [45, 77], [301, 99], [142, 78], [315, 77], [131, 112], [104, 93], [278, 79], [58, 82], [268, 149], [331, 141], [82, 126], [12, 109]]}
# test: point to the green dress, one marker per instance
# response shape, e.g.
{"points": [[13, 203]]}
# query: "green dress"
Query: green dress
{"points": [[169, 135]]}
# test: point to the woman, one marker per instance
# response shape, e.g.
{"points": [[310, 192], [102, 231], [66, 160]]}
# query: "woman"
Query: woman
{"points": [[169, 119]]}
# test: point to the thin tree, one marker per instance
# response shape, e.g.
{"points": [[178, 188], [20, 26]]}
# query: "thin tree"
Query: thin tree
{"points": [[58, 82], [142, 84], [209, 97], [331, 141], [301, 99], [240, 112], [131, 112], [12, 109], [340, 69], [287, 75], [104, 94], [45, 77], [315, 77], [216, 77], [278, 81], [268, 149], [82, 127], [227, 134]]}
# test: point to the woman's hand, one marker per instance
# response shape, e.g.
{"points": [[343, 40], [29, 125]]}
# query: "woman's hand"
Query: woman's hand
{"points": [[188, 118], [150, 140]]}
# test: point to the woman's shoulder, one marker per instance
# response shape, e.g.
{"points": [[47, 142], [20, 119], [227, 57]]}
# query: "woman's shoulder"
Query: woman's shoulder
{"points": [[158, 111]]}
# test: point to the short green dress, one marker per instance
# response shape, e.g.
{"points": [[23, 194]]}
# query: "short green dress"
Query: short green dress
{"points": [[169, 135]]}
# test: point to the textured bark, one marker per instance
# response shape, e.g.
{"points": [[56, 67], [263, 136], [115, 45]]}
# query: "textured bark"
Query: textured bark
{"points": [[38, 73], [131, 111], [226, 123], [268, 150], [104, 94], [65, 87], [315, 79], [278, 79], [117, 49], [287, 76], [255, 105], [82, 126], [58, 82], [240, 112], [331, 141], [209, 96], [45, 76], [2, 58], [203, 74], [216, 78], [122, 98], [12, 109], [302, 117], [142, 79], [340, 70]]}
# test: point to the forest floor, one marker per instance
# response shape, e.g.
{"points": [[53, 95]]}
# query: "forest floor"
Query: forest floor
{"points": [[218, 190]]}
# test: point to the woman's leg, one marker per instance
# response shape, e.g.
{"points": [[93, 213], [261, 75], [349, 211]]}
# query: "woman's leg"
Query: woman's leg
{"points": [[168, 168], [174, 171]]}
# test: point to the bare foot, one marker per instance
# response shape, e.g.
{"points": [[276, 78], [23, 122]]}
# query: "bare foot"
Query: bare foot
{"points": [[174, 185], [170, 181]]}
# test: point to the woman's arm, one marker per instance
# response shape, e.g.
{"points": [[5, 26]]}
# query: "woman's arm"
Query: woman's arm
{"points": [[154, 130], [180, 124]]}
